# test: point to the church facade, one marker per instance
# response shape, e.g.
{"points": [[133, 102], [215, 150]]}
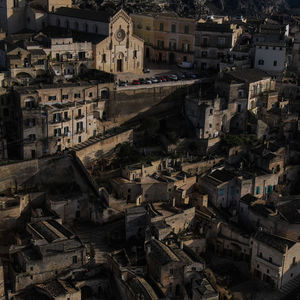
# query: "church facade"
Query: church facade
{"points": [[121, 51]]}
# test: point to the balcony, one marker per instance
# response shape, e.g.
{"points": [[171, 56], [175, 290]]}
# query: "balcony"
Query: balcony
{"points": [[171, 49], [79, 117], [66, 119]]}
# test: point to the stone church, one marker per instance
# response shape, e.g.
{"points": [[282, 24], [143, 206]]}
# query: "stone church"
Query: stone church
{"points": [[121, 51]]}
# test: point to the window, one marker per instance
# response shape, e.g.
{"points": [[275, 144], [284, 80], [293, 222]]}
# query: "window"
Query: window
{"points": [[210, 125], [172, 45], [134, 53], [260, 254], [79, 127], [257, 266], [90, 94], [173, 28], [205, 42], [57, 132], [32, 137], [270, 259], [185, 47], [66, 115], [186, 29], [275, 63], [211, 111], [96, 29], [31, 268], [257, 190], [161, 27], [294, 260], [64, 97], [79, 112], [75, 259], [77, 95], [104, 58], [204, 53], [51, 98], [66, 130], [171, 271], [221, 42], [221, 192], [239, 108], [268, 271], [261, 62], [79, 139], [274, 48], [16, 3], [56, 118], [160, 44]]}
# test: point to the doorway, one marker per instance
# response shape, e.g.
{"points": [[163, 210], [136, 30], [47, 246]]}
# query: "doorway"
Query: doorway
{"points": [[147, 53], [119, 65], [171, 58]]}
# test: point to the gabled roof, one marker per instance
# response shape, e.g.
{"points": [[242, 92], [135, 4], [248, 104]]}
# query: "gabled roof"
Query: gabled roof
{"points": [[274, 241]]}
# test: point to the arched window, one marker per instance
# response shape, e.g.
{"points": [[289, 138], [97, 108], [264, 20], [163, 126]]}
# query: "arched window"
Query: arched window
{"points": [[86, 27], [96, 29], [76, 25], [67, 24]]}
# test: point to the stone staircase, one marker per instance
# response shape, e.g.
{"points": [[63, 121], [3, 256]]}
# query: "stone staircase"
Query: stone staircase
{"points": [[97, 242], [290, 286], [96, 237]]}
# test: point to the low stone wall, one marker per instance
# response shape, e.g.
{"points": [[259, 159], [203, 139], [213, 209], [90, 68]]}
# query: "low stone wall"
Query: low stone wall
{"points": [[93, 151]]}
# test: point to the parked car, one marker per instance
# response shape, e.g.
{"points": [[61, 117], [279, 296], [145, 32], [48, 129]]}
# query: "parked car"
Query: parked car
{"points": [[154, 80], [135, 82], [148, 81], [122, 83], [146, 70], [158, 79], [164, 79], [180, 76], [142, 80], [185, 65], [173, 77]]}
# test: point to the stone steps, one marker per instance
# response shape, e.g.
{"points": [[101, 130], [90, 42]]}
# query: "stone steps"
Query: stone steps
{"points": [[290, 286]]}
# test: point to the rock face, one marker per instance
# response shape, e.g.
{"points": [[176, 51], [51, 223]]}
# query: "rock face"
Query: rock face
{"points": [[195, 8]]}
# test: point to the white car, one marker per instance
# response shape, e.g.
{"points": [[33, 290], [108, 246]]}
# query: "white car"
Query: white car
{"points": [[154, 80]]}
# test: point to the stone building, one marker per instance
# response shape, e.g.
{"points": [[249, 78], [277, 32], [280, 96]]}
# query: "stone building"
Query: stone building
{"points": [[121, 51], [270, 57], [213, 42], [208, 115], [143, 27], [168, 37], [55, 117], [274, 259], [23, 64], [53, 249], [170, 267], [69, 58], [244, 87], [16, 15]]}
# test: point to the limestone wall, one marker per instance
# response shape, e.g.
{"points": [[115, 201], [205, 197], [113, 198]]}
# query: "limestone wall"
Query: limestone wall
{"points": [[92, 151]]}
